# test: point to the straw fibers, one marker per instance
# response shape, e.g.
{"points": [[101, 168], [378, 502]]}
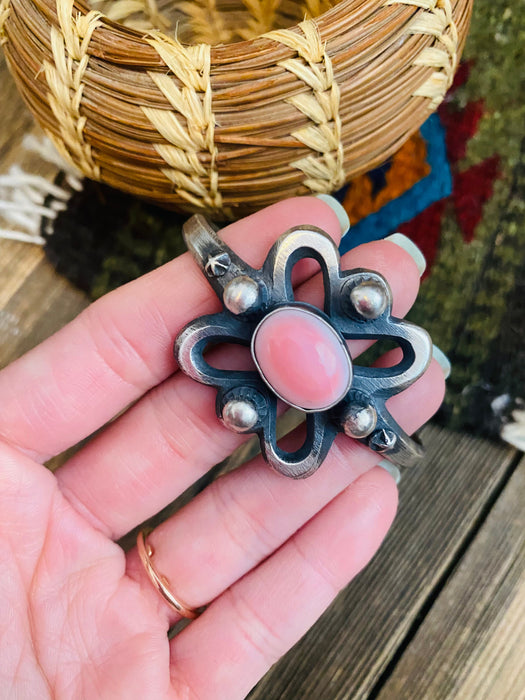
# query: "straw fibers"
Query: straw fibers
{"points": [[225, 106]]}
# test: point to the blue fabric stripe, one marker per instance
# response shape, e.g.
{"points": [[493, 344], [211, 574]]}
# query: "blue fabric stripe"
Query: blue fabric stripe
{"points": [[435, 186]]}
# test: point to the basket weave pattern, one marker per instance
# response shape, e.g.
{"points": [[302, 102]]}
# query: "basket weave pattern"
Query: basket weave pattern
{"points": [[226, 129]]}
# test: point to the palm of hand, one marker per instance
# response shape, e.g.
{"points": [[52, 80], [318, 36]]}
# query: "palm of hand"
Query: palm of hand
{"points": [[79, 618], [78, 626]]}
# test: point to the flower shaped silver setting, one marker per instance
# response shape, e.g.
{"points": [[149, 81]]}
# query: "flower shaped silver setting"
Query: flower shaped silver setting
{"points": [[357, 305]]}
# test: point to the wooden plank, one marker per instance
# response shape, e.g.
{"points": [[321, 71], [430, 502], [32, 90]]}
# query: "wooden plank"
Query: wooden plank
{"points": [[43, 303], [34, 300], [16, 122], [472, 643], [17, 262], [16, 118], [344, 655]]}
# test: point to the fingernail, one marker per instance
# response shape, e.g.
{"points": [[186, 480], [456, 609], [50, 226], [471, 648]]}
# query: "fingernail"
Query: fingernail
{"points": [[391, 468], [339, 210], [411, 248], [443, 361]]}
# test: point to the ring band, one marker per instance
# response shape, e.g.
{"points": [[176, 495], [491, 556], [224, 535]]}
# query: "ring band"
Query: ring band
{"points": [[160, 582]]}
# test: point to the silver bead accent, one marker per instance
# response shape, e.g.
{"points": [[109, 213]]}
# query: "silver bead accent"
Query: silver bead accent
{"points": [[359, 420], [241, 294], [239, 416], [369, 299], [218, 265], [382, 440]]}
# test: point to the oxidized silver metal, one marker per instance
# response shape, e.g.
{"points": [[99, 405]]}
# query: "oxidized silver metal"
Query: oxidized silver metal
{"points": [[357, 305]]}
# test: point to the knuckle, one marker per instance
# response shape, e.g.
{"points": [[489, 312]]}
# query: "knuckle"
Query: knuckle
{"points": [[317, 568], [243, 523], [259, 634], [183, 426], [170, 431], [122, 354]]}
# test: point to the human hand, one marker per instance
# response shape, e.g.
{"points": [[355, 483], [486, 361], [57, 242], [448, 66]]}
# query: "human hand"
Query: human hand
{"points": [[79, 617]]}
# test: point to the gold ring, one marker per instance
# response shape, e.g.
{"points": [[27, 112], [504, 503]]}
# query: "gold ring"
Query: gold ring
{"points": [[160, 582]]}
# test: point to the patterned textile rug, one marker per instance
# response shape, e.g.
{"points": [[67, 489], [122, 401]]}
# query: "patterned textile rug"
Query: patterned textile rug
{"points": [[456, 188]]}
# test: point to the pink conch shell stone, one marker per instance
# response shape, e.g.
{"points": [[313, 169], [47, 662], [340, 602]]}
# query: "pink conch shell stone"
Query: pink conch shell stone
{"points": [[302, 358]]}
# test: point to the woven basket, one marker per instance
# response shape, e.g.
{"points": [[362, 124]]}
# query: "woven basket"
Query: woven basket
{"points": [[293, 98]]}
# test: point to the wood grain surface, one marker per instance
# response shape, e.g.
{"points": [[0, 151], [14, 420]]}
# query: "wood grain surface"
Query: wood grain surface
{"points": [[471, 644], [34, 300]]}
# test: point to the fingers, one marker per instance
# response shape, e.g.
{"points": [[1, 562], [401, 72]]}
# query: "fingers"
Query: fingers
{"points": [[245, 631], [121, 346], [172, 436], [245, 515]]}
